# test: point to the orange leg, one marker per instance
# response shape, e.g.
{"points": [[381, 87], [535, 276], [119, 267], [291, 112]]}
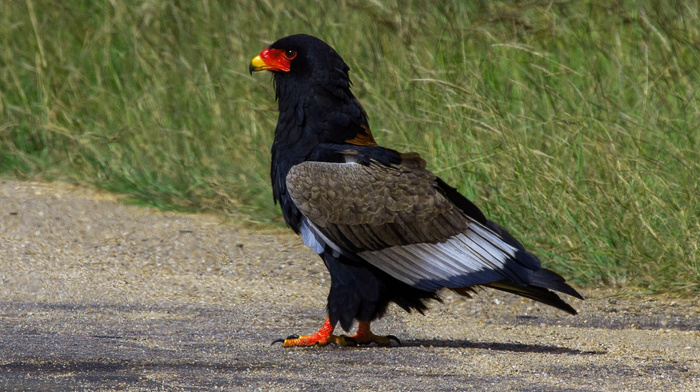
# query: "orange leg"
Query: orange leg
{"points": [[321, 338], [364, 335]]}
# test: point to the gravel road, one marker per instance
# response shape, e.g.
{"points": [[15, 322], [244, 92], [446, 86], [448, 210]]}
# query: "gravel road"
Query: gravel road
{"points": [[99, 295]]}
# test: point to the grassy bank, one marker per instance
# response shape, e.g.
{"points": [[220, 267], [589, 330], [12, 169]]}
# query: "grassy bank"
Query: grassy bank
{"points": [[576, 124]]}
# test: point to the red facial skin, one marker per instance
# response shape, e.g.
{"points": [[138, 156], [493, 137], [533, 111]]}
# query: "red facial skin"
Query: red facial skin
{"points": [[277, 59]]}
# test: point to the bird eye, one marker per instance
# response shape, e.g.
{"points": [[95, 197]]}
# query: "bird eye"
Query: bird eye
{"points": [[290, 54]]}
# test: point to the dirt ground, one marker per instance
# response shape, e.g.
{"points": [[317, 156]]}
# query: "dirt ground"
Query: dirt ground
{"points": [[98, 295]]}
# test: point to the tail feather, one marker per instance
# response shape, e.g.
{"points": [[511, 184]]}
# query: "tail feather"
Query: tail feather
{"points": [[551, 280], [539, 289], [543, 280], [539, 294]]}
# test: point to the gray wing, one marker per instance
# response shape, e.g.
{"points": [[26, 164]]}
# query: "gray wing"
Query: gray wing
{"points": [[396, 218]]}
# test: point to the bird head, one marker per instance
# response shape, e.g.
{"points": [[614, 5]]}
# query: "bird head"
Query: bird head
{"points": [[312, 86], [300, 55]]}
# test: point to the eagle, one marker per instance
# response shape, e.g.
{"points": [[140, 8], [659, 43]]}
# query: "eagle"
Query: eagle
{"points": [[387, 229]]}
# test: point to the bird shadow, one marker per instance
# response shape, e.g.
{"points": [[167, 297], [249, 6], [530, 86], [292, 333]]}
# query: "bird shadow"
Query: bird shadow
{"points": [[496, 346]]}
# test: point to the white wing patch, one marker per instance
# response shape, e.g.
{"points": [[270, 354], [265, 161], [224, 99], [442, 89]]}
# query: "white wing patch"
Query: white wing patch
{"points": [[472, 257], [309, 237], [314, 239], [476, 256]]}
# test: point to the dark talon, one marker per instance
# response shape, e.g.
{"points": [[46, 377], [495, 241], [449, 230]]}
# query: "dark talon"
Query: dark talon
{"points": [[394, 338], [280, 340], [349, 339]]}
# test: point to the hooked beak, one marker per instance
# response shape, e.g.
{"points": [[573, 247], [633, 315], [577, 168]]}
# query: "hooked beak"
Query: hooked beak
{"points": [[257, 64], [275, 60]]}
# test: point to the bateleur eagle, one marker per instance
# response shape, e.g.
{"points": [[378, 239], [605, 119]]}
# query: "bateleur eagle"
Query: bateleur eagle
{"points": [[387, 229]]}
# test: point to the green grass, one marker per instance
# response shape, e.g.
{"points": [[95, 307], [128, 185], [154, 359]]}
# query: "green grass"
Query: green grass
{"points": [[576, 124]]}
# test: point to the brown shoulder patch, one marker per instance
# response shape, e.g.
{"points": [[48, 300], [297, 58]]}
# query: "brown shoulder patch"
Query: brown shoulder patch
{"points": [[363, 138]]}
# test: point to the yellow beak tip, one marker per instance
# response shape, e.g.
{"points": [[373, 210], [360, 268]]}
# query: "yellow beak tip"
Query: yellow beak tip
{"points": [[257, 64]]}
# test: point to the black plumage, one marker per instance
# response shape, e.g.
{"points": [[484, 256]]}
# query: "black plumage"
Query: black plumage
{"points": [[387, 229]]}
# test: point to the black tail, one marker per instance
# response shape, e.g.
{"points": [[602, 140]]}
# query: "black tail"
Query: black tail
{"points": [[538, 289], [551, 280], [543, 280]]}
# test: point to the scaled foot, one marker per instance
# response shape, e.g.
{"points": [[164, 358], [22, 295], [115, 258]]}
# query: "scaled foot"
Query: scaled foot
{"points": [[364, 336], [322, 338], [315, 340]]}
